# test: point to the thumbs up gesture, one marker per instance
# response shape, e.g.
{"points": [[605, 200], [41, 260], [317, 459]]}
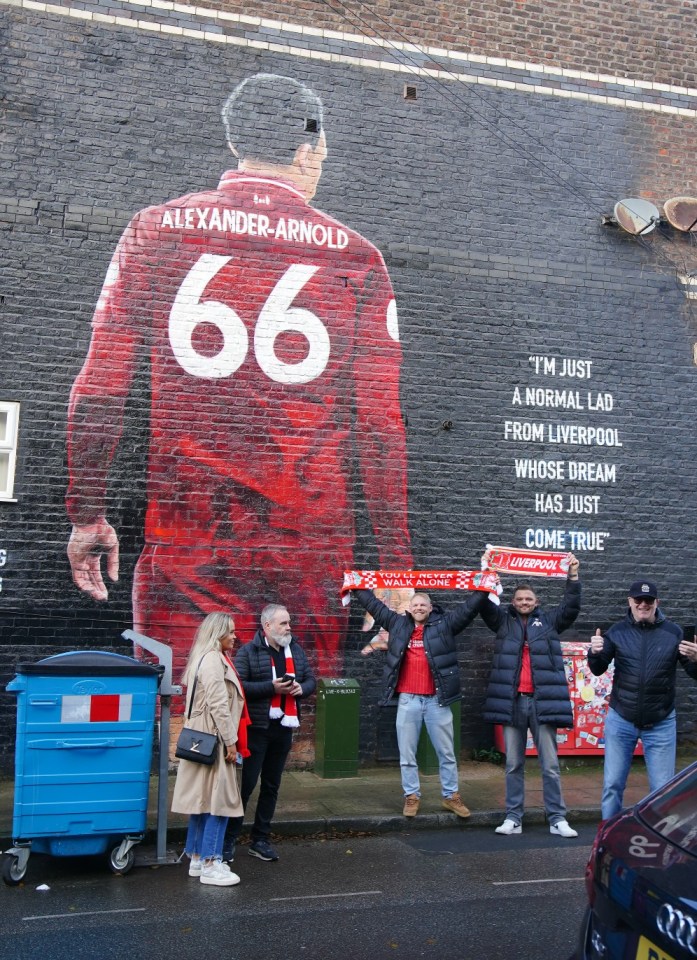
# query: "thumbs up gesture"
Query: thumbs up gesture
{"points": [[597, 642]]}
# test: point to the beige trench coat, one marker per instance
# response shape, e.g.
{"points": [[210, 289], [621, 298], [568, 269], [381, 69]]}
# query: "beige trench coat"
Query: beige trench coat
{"points": [[217, 707]]}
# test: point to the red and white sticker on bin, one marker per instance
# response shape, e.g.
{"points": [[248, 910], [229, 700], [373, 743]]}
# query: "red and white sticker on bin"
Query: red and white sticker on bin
{"points": [[96, 708]]}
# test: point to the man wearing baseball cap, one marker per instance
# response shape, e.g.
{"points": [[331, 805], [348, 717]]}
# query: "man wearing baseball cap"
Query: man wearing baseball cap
{"points": [[646, 649]]}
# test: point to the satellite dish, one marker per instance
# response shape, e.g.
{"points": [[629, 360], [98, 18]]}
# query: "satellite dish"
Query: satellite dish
{"points": [[681, 213], [636, 216]]}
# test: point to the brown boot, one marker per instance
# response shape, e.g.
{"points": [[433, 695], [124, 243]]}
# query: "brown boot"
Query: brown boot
{"points": [[454, 803], [411, 805]]}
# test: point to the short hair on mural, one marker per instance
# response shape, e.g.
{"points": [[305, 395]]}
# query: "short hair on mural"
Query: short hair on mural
{"points": [[267, 117]]}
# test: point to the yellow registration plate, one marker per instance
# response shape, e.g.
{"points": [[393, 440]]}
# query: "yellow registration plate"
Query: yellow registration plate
{"points": [[649, 951]]}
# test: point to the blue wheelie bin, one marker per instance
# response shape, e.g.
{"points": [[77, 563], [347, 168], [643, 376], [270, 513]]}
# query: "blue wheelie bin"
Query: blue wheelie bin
{"points": [[85, 726]]}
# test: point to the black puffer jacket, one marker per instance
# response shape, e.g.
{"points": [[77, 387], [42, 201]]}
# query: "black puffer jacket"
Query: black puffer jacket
{"points": [[646, 656], [439, 642], [552, 703], [253, 665]]}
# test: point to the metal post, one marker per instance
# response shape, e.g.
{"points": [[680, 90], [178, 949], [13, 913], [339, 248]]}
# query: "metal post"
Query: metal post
{"points": [[167, 689]]}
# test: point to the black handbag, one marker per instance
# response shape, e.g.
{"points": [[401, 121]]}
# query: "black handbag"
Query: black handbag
{"points": [[196, 745]]}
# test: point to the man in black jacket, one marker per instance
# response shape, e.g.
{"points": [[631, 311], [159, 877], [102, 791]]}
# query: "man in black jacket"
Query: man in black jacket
{"points": [[528, 690], [275, 675], [646, 649], [422, 669]]}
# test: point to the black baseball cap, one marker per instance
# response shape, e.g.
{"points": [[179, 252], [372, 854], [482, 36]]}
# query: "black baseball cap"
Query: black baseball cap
{"points": [[641, 589]]}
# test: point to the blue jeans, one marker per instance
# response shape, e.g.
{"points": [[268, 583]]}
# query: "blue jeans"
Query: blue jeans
{"points": [[515, 738], [621, 738], [205, 836], [413, 711]]}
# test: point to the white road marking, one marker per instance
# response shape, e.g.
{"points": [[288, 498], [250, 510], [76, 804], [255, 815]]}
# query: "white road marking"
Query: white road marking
{"points": [[85, 913], [512, 883], [322, 896]]}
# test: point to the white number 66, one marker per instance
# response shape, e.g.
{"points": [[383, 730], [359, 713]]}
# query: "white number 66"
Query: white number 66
{"points": [[276, 316]]}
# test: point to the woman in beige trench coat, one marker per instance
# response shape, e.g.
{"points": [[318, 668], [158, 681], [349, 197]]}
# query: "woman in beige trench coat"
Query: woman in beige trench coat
{"points": [[211, 794]]}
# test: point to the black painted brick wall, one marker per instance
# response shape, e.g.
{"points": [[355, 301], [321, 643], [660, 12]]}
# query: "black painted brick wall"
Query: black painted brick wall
{"points": [[494, 255]]}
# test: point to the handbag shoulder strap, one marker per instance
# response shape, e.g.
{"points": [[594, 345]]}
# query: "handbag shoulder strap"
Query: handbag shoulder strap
{"points": [[193, 689]]}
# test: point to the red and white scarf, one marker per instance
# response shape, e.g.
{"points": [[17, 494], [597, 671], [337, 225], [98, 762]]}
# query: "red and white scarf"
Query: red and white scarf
{"points": [[245, 719], [420, 580], [528, 563], [284, 707]]}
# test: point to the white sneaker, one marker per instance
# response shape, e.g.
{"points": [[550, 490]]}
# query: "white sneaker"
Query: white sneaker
{"points": [[195, 867], [218, 874], [508, 827], [562, 829]]}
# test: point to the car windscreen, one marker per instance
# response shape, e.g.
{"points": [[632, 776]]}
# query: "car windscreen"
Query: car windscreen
{"points": [[672, 811]]}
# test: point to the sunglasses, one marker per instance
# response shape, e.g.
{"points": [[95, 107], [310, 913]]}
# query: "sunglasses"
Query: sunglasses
{"points": [[647, 600]]}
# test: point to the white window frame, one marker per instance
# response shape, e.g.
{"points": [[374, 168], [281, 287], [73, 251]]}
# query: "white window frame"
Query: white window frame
{"points": [[8, 447]]}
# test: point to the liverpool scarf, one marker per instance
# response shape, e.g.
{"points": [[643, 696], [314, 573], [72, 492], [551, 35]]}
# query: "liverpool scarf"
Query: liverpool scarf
{"points": [[284, 707], [420, 580], [529, 563]]}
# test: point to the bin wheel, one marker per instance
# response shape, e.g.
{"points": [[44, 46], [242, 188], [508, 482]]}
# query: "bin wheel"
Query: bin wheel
{"points": [[121, 865], [12, 873]]}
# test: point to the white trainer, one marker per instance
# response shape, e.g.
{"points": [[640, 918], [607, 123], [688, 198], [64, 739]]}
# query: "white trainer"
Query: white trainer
{"points": [[562, 829], [508, 827], [218, 874], [195, 867]]}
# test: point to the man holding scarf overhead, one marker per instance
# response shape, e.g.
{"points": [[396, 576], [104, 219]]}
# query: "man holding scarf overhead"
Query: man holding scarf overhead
{"points": [[528, 690], [275, 675], [422, 670]]}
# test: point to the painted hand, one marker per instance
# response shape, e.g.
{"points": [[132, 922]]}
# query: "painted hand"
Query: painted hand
{"points": [[379, 642], [85, 548]]}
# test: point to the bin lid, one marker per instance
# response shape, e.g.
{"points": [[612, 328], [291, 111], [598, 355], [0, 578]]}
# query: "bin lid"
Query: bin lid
{"points": [[328, 685], [88, 663]]}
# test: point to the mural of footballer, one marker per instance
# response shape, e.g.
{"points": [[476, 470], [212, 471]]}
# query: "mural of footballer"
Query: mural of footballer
{"points": [[271, 333]]}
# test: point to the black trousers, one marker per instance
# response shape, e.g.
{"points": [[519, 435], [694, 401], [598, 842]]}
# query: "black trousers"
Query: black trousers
{"points": [[269, 749]]}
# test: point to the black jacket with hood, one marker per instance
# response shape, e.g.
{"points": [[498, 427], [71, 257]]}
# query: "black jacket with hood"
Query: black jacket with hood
{"points": [[646, 658], [439, 642], [551, 690], [253, 665]]}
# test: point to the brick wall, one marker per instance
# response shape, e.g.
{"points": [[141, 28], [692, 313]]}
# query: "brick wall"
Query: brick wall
{"points": [[484, 195], [652, 40]]}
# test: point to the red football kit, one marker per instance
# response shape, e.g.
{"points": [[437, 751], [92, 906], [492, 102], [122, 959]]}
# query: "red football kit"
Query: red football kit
{"points": [[525, 683], [415, 674], [271, 335]]}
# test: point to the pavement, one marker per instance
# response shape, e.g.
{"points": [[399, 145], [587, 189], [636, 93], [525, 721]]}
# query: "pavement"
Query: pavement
{"points": [[309, 805]]}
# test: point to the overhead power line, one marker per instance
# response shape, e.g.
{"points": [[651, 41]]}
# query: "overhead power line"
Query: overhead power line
{"points": [[516, 142]]}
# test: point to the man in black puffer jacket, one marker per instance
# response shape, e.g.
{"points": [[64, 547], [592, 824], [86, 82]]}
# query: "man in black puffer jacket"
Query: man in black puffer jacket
{"points": [[646, 649], [275, 676], [422, 669], [528, 689]]}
